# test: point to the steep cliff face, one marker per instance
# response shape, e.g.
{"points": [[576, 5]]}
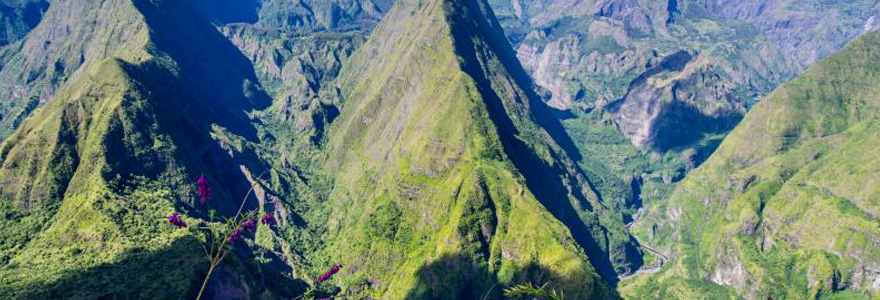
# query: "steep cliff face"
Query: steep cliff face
{"points": [[588, 41], [577, 49], [787, 207], [665, 108]]}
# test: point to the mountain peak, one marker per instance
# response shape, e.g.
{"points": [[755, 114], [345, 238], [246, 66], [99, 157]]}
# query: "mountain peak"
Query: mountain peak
{"points": [[439, 125], [119, 143]]}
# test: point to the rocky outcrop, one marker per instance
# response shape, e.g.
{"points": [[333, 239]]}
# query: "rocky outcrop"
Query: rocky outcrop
{"points": [[867, 277], [554, 65], [731, 273], [677, 102]]}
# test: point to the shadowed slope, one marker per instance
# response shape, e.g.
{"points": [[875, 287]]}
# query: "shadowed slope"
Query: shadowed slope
{"points": [[87, 180], [18, 17]]}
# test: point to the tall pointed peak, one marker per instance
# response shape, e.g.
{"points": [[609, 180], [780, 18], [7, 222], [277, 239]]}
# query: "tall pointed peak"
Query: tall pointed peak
{"points": [[439, 127]]}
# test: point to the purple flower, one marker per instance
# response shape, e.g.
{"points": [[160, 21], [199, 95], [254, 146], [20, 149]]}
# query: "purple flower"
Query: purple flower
{"points": [[234, 236], [329, 274], [176, 220], [268, 219], [203, 189], [249, 225]]}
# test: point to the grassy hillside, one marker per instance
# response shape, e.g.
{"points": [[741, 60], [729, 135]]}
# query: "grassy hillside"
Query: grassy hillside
{"points": [[788, 206], [72, 37], [88, 179], [604, 59], [451, 173], [424, 163], [72, 203]]}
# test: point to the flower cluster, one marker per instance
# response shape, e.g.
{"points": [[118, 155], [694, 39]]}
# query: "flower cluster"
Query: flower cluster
{"points": [[203, 189], [329, 274], [175, 220], [220, 237], [234, 236], [268, 219], [249, 225]]}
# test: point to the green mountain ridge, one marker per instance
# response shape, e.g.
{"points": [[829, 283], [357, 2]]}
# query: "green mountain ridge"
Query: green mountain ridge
{"points": [[788, 206], [315, 15], [441, 138], [72, 34], [88, 179]]}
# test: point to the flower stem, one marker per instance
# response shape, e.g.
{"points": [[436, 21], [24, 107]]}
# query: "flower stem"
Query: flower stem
{"points": [[243, 201], [218, 257], [205, 282]]}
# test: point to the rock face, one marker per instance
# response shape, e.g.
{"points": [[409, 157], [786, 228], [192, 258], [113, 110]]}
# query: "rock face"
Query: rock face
{"points": [[665, 108], [587, 54], [561, 41], [787, 206], [730, 273]]}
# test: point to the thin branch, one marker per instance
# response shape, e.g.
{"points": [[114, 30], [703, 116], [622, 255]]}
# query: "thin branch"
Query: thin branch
{"points": [[490, 290], [243, 201]]}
